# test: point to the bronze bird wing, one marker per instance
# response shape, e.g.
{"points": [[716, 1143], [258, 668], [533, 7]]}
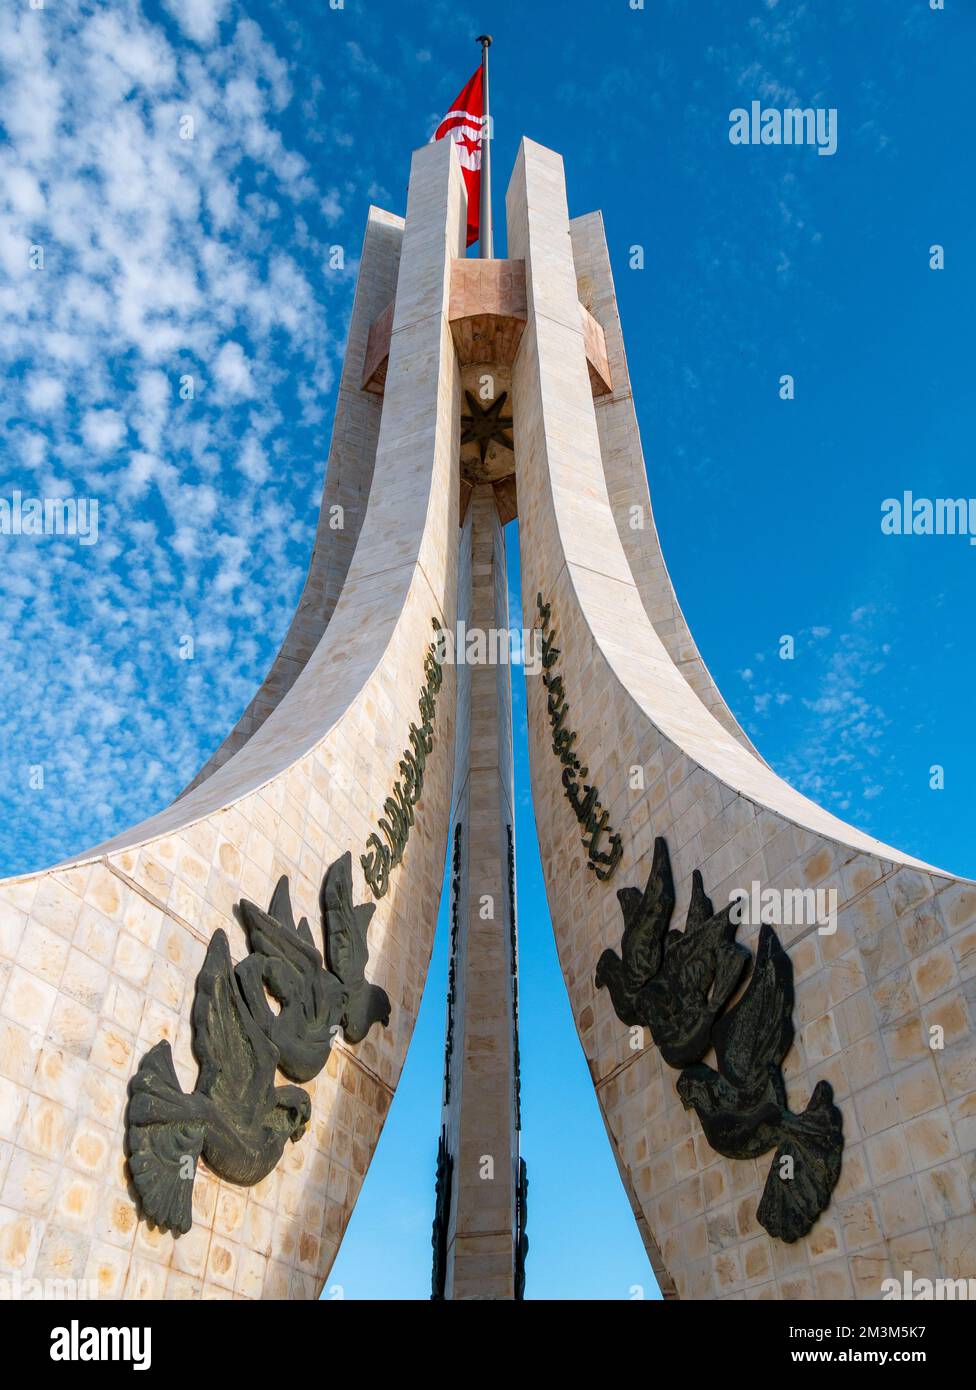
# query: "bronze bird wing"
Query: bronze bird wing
{"points": [[705, 960], [646, 918], [700, 908], [291, 958], [285, 959], [345, 924], [757, 1032], [281, 910], [237, 1061]]}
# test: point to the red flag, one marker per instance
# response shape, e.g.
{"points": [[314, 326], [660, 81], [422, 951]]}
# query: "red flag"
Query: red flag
{"points": [[464, 124]]}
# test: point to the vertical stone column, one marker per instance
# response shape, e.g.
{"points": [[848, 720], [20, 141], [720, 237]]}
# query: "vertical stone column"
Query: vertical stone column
{"points": [[481, 1104]]}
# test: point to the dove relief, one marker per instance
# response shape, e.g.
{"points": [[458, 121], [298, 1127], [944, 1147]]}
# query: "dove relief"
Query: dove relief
{"points": [[677, 985], [236, 1119]]}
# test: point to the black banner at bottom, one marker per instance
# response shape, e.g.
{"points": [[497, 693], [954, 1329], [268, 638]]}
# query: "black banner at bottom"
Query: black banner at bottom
{"points": [[288, 1340]]}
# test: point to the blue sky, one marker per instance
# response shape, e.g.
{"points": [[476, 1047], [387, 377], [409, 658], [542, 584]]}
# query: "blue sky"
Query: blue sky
{"points": [[167, 258]]}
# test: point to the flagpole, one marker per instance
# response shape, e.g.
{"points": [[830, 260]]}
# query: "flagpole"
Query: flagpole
{"points": [[486, 249]]}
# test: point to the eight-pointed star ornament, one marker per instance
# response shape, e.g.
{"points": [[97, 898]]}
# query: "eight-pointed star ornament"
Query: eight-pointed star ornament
{"points": [[486, 426]]}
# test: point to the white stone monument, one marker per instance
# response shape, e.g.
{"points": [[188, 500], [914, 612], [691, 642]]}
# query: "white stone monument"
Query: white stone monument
{"points": [[641, 777]]}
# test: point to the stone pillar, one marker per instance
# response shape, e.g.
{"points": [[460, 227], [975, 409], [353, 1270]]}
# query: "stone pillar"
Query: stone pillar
{"points": [[480, 1088]]}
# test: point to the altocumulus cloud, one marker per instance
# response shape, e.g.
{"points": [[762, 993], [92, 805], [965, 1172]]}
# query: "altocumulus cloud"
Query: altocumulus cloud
{"points": [[166, 354], [199, 19]]}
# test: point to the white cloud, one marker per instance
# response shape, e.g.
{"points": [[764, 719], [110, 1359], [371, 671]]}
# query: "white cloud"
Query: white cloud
{"points": [[123, 53], [166, 360], [103, 430], [253, 461], [44, 393], [233, 371], [331, 206], [24, 192], [837, 749], [139, 473], [199, 19]]}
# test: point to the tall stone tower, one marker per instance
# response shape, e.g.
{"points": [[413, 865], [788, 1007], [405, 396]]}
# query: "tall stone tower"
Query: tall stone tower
{"points": [[789, 1089]]}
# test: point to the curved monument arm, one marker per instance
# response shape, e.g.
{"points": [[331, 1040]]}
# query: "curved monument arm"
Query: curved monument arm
{"points": [[638, 787], [349, 476], [129, 923]]}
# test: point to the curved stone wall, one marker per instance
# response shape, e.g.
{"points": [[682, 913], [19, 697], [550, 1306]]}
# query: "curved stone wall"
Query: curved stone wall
{"points": [[98, 957], [900, 963], [349, 476], [626, 476]]}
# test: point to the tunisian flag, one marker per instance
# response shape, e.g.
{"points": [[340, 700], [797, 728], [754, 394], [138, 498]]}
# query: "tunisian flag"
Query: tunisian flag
{"points": [[463, 123]]}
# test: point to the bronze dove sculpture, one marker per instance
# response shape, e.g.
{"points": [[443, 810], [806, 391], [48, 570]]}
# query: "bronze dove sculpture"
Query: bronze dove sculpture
{"points": [[678, 985], [345, 928], [674, 983], [318, 1000], [235, 1117], [285, 958], [743, 1109]]}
